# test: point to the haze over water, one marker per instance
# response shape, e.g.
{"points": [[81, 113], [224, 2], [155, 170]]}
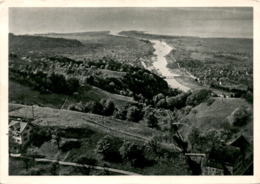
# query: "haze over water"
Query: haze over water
{"points": [[202, 22]]}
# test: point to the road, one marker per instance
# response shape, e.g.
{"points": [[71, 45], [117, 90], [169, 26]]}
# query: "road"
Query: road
{"points": [[78, 165]]}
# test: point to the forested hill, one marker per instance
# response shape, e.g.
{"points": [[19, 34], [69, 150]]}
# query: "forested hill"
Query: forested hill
{"points": [[28, 42]]}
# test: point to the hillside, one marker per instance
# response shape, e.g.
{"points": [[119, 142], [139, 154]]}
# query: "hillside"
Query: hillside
{"points": [[215, 116], [30, 43], [49, 117]]}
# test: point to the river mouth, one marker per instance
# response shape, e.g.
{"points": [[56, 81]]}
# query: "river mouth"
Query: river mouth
{"points": [[162, 49]]}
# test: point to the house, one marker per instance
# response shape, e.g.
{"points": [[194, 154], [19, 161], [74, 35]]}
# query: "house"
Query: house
{"points": [[244, 162], [20, 132], [221, 160], [234, 158]]}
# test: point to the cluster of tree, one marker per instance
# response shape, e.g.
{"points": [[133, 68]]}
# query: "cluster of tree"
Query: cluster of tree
{"points": [[105, 107], [40, 135], [106, 149], [181, 100], [133, 153], [44, 82], [138, 82], [128, 151], [204, 142]]}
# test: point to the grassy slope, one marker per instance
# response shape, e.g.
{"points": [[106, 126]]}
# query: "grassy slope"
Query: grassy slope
{"points": [[45, 116], [96, 128], [206, 117], [19, 93]]}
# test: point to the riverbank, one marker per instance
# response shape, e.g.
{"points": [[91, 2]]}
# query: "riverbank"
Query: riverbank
{"points": [[174, 78]]}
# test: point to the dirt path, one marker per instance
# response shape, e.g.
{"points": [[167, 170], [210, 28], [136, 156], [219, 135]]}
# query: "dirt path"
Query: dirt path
{"points": [[79, 165]]}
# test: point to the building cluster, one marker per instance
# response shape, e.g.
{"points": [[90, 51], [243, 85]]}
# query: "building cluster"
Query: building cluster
{"points": [[235, 158]]}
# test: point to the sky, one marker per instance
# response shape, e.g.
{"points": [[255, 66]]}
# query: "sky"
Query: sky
{"points": [[202, 22]]}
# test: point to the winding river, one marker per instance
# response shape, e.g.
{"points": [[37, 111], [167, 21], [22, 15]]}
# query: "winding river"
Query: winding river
{"points": [[162, 49]]}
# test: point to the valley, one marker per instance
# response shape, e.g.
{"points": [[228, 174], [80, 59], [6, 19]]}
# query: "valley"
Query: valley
{"points": [[133, 102]]}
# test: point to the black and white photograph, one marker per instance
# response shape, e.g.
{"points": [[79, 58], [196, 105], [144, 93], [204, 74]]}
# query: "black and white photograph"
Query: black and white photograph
{"points": [[117, 91]]}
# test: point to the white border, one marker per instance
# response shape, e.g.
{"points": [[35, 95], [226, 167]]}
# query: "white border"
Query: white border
{"points": [[4, 178]]}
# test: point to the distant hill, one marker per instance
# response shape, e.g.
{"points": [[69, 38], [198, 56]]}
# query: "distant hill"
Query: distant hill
{"points": [[28, 42], [92, 33]]}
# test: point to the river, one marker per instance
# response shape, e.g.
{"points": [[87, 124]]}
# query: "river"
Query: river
{"points": [[162, 49]]}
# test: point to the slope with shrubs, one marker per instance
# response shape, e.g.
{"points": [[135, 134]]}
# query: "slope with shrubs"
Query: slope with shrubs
{"points": [[217, 113]]}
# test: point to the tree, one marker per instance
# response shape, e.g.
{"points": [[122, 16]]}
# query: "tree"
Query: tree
{"points": [[133, 153], [104, 148], [154, 145], [58, 83], [54, 168], [240, 116], [108, 107], [57, 137], [204, 142], [93, 107], [158, 97], [178, 101], [40, 136], [72, 85], [198, 97], [151, 120], [133, 114], [161, 103]]}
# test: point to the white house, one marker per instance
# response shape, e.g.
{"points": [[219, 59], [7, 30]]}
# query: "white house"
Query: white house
{"points": [[20, 133]]}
